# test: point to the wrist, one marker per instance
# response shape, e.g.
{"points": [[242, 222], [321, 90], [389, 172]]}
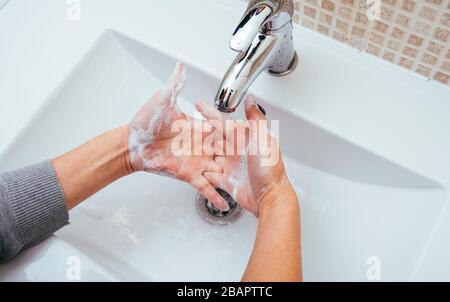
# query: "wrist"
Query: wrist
{"points": [[94, 165], [281, 195], [124, 151]]}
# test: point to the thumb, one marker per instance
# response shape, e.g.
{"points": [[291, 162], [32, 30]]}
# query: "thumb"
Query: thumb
{"points": [[177, 80], [252, 111]]}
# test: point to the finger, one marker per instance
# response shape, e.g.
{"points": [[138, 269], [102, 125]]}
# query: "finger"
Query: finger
{"points": [[214, 117], [209, 144], [178, 75], [215, 179], [252, 111], [176, 83], [212, 166], [209, 112], [219, 146], [220, 160], [210, 193]]}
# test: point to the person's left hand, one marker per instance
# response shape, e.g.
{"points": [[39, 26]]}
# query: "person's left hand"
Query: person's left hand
{"points": [[232, 156], [152, 136]]}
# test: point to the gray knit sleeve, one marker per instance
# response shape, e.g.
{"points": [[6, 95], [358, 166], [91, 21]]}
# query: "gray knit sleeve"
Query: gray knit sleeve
{"points": [[32, 207]]}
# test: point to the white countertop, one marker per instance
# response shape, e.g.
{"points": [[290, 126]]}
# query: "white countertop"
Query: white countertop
{"points": [[40, 46], [338, 87]]}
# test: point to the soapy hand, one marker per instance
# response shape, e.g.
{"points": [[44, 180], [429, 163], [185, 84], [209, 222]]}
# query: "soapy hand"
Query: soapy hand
{"points": [[246, 175], [151, 138]]}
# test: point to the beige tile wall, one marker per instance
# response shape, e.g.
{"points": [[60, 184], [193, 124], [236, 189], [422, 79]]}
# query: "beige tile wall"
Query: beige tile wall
{"points": [[414, 34]]}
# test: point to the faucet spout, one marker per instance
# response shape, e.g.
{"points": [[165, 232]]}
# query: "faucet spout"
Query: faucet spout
{"points": [[243, 72], [264, 42]]}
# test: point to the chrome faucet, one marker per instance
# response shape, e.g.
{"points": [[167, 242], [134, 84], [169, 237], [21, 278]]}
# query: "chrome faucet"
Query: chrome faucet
{"points": [[264, 41]]}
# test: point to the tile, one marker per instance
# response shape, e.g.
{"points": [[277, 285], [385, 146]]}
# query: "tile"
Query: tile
{"points": [[410, 52], [415, 40], [361, 18], [435, 47], [424, 70], [309, 11], [437, 2], [325, 18], [445, 20], [441, 77], [414, 34], [408, 5], [441, 34], [446, 66], [342, 25], [390, 2], [404, 62], [323, 29], [312, 2], [428, 13], [422, 28], [387, 14], [398, 33], [393, 45], [373, 49], [376, 38], [380, 26], [308, 23], [340, 36], [348, 2], [345, 12], [328, 5], [389, 56], [358, 31], [403, 20], [429, 59]]}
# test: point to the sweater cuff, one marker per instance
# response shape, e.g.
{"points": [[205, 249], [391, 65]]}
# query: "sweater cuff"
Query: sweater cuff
{"points": [[36, 202]]}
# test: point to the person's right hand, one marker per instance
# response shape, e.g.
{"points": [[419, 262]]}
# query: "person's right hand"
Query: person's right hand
{"points": [[258, 178], [266, 172], [152, 137]]}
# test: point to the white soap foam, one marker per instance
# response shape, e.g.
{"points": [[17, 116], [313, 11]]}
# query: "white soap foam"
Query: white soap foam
{"points": [[122, 218], [163, 108]]}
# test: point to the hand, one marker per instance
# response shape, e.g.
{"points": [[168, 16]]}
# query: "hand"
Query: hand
{"points": [[249, 177], [234, 180], [151, 138]]}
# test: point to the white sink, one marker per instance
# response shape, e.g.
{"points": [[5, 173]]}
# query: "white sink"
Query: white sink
{"points": [[355, 204]]}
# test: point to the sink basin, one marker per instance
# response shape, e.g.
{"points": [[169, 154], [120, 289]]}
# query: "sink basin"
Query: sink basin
{"points": [[355, 203]]}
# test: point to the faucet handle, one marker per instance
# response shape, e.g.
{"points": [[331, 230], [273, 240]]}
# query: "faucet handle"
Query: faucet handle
{"points": [[262, 16], [252, 22]]}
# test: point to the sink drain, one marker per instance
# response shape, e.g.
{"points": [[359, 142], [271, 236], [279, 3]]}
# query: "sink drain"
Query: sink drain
{"points": [[213, 215]]}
